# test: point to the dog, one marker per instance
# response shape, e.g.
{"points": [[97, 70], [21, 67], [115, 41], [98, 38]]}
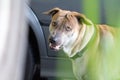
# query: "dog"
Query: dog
{"points": [[88, 45]]}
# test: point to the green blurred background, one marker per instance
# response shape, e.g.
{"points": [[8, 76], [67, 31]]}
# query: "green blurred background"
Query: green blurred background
{"points": [[107, 11]]}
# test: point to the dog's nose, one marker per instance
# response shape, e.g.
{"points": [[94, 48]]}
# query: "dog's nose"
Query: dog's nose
{"points": [[52, 40]]}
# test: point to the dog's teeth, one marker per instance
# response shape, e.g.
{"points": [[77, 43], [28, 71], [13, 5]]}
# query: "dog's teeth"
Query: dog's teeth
{"points": [[55, 47]]}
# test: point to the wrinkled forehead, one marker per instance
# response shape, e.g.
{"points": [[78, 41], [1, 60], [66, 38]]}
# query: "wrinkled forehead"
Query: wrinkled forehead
{"points": [[65, 16]]}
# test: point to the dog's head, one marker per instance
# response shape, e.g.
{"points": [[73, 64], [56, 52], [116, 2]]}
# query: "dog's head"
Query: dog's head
{"points": [[64, 27]]}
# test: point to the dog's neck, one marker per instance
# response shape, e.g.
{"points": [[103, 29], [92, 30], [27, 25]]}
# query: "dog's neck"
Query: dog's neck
{"points": [[84, 37]]}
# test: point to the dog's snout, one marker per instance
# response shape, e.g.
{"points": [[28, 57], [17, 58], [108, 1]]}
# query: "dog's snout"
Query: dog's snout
{"points": [[52, 40]]}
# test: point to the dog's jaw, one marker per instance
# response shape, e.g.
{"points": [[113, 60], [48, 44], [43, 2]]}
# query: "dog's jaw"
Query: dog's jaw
{"points": [[72, 49], [67, 50], [55, 47]]}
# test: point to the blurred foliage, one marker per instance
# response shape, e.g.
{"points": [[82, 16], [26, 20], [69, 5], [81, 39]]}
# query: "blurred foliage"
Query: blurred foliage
{"points": [[103, 11], [112, 12], [91, 9]]}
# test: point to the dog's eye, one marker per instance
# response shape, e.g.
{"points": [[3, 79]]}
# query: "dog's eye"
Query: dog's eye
{"points": [[68, 28], [54, 23]]}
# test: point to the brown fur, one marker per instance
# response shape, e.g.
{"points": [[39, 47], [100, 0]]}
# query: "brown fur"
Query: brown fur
{"points": [[76, 34]]}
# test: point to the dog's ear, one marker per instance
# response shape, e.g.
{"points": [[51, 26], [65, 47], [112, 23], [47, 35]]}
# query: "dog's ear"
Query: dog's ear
{"points": [[81, 18], [52, 12]]}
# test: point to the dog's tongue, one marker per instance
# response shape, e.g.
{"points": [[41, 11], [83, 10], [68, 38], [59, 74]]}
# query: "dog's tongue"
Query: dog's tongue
{"points": [[54, 47]]}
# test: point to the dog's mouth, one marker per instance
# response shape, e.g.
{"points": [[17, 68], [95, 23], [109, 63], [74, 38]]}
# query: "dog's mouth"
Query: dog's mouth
{"points": [[55, 46]]}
